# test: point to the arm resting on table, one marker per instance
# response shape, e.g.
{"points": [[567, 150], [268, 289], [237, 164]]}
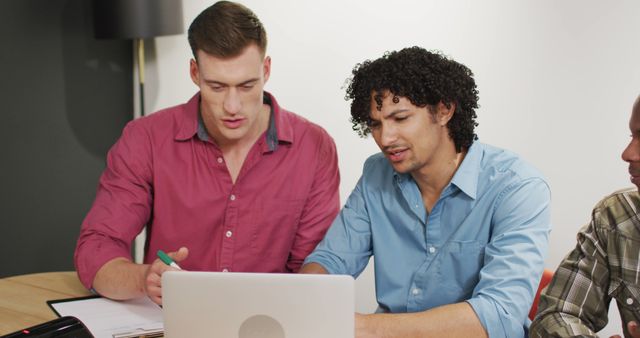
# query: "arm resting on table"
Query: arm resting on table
{"points": [[121, 279]]}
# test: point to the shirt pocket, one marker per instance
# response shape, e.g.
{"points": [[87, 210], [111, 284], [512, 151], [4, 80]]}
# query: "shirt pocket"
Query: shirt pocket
{"points": [[275, 227], [460, 266]]}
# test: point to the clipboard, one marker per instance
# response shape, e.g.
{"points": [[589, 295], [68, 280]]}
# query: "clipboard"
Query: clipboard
{"points": [[50, 303], [107, 318]]}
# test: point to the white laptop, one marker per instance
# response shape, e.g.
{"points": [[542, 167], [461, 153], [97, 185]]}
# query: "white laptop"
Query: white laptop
{"points": [[257, 305]]}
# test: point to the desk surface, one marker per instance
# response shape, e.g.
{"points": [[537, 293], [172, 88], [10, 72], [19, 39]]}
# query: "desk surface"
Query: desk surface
{"points": [[23, 299]]}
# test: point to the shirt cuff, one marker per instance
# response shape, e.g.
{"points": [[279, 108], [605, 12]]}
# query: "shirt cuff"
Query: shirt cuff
{"points": [[89, 260], [328, 263]]}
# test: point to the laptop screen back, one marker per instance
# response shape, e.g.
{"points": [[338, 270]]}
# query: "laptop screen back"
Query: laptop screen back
{"points": [[252, 305]]}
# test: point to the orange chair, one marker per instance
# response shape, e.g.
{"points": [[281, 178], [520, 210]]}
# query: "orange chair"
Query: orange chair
{"points": [[547, 275]]}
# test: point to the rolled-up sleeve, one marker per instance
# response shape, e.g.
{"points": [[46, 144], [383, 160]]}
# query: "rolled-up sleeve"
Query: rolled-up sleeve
{"points": [[346, 248], [514, 258], [121, 208], [576, 301]]}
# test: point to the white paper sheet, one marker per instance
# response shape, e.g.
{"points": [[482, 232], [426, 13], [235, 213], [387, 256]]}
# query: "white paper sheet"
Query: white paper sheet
{"points": [[105, 317]]}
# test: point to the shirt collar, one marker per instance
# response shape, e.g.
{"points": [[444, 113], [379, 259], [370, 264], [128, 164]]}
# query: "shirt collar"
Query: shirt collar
{"points": [[280, 123], [465, 178], [189, 124], [279, 129], [272, 132]]}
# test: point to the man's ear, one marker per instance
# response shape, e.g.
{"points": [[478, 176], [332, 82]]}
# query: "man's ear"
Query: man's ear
{"points": [[444, 113], [194, 72], [266, 68]]}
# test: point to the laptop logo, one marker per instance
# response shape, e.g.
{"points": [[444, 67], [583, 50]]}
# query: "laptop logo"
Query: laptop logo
{"points": [[261, 326]]}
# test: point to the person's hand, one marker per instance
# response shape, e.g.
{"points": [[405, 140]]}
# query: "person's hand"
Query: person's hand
{"points": [[633, 328], [152, 284]]}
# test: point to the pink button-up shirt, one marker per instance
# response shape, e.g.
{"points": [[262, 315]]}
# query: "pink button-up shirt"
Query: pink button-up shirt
{"points": [[166, 174]]}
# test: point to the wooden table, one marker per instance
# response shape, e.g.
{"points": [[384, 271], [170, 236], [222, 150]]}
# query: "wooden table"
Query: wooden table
{"points": [[23, 298]]}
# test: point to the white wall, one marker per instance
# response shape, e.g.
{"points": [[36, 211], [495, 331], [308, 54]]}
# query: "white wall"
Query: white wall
{"points": [[556, 78]]}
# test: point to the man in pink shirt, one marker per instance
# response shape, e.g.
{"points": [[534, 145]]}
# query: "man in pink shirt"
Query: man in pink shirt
{"points": [[229, 181]]}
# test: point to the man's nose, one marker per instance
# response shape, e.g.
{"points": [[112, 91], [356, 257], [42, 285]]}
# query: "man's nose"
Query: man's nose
{"points": [[388, 135], [232, 104], [632, 152]]}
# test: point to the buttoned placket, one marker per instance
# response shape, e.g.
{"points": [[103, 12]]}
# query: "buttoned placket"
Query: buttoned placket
{"points": [[411, 194], [229, 227], [232, 210], [432, 238]]}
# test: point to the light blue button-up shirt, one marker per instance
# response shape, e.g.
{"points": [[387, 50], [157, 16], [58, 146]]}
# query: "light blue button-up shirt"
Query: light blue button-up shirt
{"points": [[484, 241]]}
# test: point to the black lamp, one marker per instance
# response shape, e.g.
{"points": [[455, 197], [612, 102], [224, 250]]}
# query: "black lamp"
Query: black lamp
{"points": [[137, 20]]}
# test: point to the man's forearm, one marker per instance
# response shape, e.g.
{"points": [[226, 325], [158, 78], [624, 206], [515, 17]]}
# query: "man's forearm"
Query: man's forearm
{"points": [[313, 268], [121, 279], [454, 320]]}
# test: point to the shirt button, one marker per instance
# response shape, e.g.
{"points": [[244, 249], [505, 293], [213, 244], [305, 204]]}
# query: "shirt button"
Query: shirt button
{"points": [[232, 197], [228, 234], [225, 270], [416, 205], [415, 291], [432, 249], [629, 301], [220, 160]]}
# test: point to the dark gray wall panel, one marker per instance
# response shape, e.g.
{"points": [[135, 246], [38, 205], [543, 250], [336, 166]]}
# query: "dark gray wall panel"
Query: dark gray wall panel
{"points": [[64, 99]]}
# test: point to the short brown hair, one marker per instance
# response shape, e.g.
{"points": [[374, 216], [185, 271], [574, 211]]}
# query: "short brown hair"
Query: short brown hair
{"points": [[225, 29]]}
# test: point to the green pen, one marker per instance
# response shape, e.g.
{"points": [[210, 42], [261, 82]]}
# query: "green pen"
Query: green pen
{"points": [[167, 260]]}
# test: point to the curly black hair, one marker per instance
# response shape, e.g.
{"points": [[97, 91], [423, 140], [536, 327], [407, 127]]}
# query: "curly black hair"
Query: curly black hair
{"points": [[425, 78]]}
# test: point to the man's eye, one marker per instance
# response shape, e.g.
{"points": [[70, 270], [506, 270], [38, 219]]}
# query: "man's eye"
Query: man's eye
{"points": [[401, 118], [247, 86]]}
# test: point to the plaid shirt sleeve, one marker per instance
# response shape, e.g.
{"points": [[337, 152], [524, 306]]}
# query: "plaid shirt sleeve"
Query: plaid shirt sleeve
{"points": [[576, 302]]}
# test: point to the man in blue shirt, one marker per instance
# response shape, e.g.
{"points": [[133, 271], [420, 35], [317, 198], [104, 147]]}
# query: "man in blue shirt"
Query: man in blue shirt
{"points": [[459, 229]]}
